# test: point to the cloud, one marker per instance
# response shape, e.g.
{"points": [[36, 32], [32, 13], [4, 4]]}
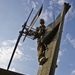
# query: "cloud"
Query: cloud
{"points": [[47, 15], [9, 42], [6, 50], [33, 4], [71, 40], [28, 1], [61, 52], [64, 42], [73, 72], [33, 49], [50, 14], [61, 2], [27, 58], [70, 15], [25, 2], [53, 4], [56, 2], [44, 15], [13, 69], [59, 56]]}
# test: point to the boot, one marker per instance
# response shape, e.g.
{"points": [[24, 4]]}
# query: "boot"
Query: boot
{"points": [[42, 60]]}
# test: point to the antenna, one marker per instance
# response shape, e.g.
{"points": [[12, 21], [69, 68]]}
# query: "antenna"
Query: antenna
{"points": [[17, 42], [22, 31]]}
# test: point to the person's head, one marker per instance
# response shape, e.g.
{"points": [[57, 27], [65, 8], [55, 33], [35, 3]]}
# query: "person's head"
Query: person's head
{"points": [[42, 21]]}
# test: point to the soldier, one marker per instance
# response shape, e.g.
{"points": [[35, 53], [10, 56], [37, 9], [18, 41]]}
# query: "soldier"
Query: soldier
{"points": [[40, 46]]}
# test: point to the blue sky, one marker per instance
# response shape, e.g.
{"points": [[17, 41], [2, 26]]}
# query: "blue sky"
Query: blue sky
{"points": [[13, 14]]}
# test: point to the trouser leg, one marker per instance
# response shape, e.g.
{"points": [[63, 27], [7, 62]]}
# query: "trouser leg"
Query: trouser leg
{"points": [[41, 52]]}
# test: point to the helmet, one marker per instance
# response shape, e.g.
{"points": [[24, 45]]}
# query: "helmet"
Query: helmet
{"points": [[42, 21]]}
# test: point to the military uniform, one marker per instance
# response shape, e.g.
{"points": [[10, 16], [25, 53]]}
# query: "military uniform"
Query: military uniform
{"points": [[38, 33], [40, 46]]}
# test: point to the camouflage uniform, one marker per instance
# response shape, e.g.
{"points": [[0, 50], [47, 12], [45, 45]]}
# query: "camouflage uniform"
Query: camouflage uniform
{"points": [[40, 46]]}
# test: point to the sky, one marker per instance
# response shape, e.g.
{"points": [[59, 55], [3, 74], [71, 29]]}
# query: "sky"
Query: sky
{"points": [[13, 14]]}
